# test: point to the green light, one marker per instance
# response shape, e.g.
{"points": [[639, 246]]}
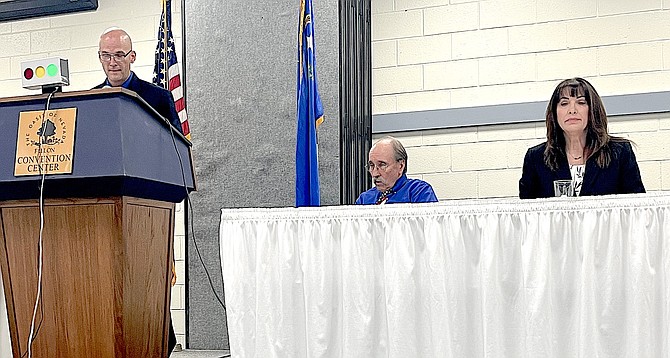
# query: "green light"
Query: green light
{"points": [[52, 70]]}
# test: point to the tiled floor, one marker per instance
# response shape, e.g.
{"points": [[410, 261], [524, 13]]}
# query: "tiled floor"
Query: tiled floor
{"points": [[188, 353]]}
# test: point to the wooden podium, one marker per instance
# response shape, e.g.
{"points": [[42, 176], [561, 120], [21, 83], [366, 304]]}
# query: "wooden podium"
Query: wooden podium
{"points": [[107, 234]]}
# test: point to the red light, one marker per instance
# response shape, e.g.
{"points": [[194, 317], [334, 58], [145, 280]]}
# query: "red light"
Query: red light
{"points": [[28, 73]]}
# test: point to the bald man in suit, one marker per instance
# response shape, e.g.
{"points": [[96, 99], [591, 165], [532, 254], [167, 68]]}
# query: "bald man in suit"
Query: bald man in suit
{"points": [[116, 55]]}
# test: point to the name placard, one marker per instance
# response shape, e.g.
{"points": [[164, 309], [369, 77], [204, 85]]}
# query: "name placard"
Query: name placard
{"points": [[45, 146]]}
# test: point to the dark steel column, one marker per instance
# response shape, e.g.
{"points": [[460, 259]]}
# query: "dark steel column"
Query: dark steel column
{"points": [[355, 97]]}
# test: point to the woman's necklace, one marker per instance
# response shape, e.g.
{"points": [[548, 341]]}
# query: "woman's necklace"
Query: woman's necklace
{"points": [[575, 157]]}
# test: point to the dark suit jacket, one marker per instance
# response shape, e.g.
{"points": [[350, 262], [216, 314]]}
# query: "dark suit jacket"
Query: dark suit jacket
{"points": [[622, 176], [158, 98], [162, 101]]}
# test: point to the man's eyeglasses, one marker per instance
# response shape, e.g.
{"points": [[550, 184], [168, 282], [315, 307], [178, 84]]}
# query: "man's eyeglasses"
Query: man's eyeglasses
{"points": [[119, 56], [382, 166]]}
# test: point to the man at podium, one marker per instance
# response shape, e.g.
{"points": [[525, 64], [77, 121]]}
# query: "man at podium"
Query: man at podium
{"points": [[116, 54]]}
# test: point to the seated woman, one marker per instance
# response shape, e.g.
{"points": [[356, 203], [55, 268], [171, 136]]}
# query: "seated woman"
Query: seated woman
{"points": [[578, 147]]}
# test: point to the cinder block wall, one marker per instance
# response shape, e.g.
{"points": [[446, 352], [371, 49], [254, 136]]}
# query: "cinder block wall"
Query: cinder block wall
{"points": [[438, 54], [75, 37]]}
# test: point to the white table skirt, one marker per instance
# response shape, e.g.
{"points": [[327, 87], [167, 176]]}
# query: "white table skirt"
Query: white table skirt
{"points": [[566, 277]]}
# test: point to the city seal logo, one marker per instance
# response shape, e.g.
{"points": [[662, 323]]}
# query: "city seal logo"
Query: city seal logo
{"points": [[45, 142]]}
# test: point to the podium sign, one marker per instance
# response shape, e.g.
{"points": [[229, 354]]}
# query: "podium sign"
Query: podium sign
{"points": [[45, 145]]}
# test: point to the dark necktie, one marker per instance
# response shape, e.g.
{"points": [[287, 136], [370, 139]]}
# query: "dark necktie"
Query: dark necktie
{"points": [[384, 196]]}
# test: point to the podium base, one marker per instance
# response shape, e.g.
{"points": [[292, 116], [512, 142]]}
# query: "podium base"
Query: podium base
{"points": [[105, 279]]}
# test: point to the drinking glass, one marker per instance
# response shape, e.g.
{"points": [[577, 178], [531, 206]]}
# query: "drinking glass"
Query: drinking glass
{"points": [[564, 188]]}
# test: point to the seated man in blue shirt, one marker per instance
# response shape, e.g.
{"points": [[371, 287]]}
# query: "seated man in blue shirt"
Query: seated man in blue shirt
{"points": [[387, 163]]}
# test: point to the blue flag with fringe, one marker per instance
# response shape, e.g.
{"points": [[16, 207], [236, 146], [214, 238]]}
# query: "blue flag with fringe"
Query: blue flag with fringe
{"points": [[310, 114]]}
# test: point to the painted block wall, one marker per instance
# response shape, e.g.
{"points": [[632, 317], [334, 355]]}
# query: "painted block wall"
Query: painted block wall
{"points": [[439, 54]]}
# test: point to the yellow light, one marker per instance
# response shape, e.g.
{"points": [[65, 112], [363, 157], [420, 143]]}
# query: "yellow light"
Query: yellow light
{"points": [[39, 72]]}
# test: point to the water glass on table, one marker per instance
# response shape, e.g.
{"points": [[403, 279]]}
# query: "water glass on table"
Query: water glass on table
{"points": [[564, 188]]}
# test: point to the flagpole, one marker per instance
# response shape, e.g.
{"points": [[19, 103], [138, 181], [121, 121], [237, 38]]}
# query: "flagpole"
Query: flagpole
{"points": [[183, 52], [166, 77]]}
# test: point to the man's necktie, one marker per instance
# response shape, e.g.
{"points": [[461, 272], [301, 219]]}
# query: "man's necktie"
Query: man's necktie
{"points": [[385, 195]]}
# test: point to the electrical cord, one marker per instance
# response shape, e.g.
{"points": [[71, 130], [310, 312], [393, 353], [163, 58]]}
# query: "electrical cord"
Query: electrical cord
{"points": [[197, 250], [189, 206], [40, 244]]}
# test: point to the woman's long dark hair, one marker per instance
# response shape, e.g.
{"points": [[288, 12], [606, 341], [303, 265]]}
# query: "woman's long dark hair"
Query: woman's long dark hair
{"points": [[597, 138]]}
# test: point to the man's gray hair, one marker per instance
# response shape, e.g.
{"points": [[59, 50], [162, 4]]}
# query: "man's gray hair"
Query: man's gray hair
{"points": [[399, 152]]}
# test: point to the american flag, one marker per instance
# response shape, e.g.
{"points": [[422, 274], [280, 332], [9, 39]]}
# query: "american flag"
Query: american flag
{"points": [[165, 54]]}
